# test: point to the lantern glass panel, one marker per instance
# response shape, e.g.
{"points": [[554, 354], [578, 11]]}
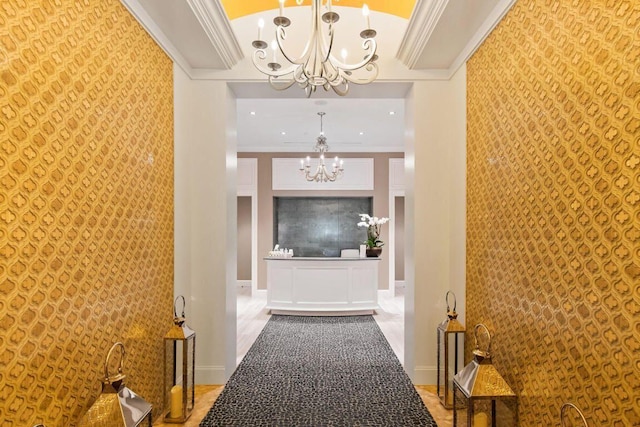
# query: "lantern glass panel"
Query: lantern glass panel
{"points": [[441, 365], [484, 412], [506, 412], [189, 384], [448, 363], [179, 400], [482, 415], [459, 408]]}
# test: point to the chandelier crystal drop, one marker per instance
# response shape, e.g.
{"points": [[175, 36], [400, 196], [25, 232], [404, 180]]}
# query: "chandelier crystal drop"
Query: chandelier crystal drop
{"points": [[321, 174], [316, 66]]}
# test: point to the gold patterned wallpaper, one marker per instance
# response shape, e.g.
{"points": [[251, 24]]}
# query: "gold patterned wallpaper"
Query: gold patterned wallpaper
{"points": [[86, 206], [553, 221]]}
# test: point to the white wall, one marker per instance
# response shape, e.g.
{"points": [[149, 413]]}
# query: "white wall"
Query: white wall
{"points": [[205, 220], [435, 215]]}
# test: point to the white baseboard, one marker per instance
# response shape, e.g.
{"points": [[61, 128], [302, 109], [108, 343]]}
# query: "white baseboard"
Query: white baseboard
{"points": [[244, 283], [425, 375], [208, 375], [399, 283]]}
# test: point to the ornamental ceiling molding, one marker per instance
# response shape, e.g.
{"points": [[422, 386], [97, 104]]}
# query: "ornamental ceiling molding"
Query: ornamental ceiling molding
{"points": [[141, 15], [483, 32], [423, 22], [215, 25], [214, 21]]}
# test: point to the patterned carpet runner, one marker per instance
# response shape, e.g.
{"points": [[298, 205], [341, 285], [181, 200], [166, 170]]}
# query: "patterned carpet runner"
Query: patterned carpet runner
{"points": [[319, 371]]}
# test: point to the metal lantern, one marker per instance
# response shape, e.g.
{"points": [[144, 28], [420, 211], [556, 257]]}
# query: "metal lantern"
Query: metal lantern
{"points": [[481, 397], [117, 405], [450, 338], [180, 357], [564, 414]]}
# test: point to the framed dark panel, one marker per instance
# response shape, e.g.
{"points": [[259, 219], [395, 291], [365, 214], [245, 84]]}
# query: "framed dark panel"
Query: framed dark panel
{"points": [[319, 226]]}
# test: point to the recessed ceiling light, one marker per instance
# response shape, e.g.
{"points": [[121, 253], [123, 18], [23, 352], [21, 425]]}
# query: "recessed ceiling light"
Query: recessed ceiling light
{"points": [[361, 133], [253, 113], [392, 113], [283, 133]]}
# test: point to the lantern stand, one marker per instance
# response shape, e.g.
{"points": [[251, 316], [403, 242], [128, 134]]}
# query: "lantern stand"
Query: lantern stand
{"points": [[479, 384], [117, 405], [180, 342], [563, 414], [449, 333]]}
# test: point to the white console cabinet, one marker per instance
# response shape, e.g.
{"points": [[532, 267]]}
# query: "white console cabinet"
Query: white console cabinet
{"points": [[322, 286]]}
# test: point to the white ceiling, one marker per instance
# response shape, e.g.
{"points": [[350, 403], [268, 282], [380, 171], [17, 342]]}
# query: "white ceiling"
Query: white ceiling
{"points": [[377, 126], [438, 38]]}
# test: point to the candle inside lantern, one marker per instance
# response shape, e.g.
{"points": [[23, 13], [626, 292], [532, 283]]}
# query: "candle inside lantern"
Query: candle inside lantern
{"points": [[176, 402], [480, 420]]}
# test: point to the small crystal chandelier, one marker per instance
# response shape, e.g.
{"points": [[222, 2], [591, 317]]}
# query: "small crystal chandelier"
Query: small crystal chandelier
{"points": [[321, 173], [316, 66]]}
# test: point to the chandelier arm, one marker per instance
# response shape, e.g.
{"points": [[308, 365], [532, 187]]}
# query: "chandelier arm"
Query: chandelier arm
{"points": [[341, 92], [308, 90], [280, 85], [372, 67], [333, 73], [301, 78], [261, 54], [314, 66], [367, 44], [327, 48], [331, 69], [322, 174], [281, 35], [327, 60]]}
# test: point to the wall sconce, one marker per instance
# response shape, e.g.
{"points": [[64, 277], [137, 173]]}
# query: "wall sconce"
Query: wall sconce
{"points": [[477, 390], [179, 392], [450, 336], [117, 405]]}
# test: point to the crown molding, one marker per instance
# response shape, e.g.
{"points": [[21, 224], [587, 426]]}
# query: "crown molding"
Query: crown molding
{"points": [[214, 22], [424, 19], [494, 18], [141, 15]]}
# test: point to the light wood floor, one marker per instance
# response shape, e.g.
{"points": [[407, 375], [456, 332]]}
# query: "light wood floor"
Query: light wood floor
{"points": [[252, 316]]}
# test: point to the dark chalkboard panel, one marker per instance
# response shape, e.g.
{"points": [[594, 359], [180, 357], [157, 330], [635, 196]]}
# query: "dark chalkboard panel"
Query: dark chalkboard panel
{"points": [[319, 226]]}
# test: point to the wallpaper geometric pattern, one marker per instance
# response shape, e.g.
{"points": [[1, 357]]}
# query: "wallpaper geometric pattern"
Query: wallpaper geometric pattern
{"points": [[553, 220], [86, 206]]}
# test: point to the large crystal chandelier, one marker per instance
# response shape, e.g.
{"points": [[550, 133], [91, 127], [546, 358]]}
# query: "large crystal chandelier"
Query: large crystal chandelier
{"points": [[321, 174], [316, 66]]}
